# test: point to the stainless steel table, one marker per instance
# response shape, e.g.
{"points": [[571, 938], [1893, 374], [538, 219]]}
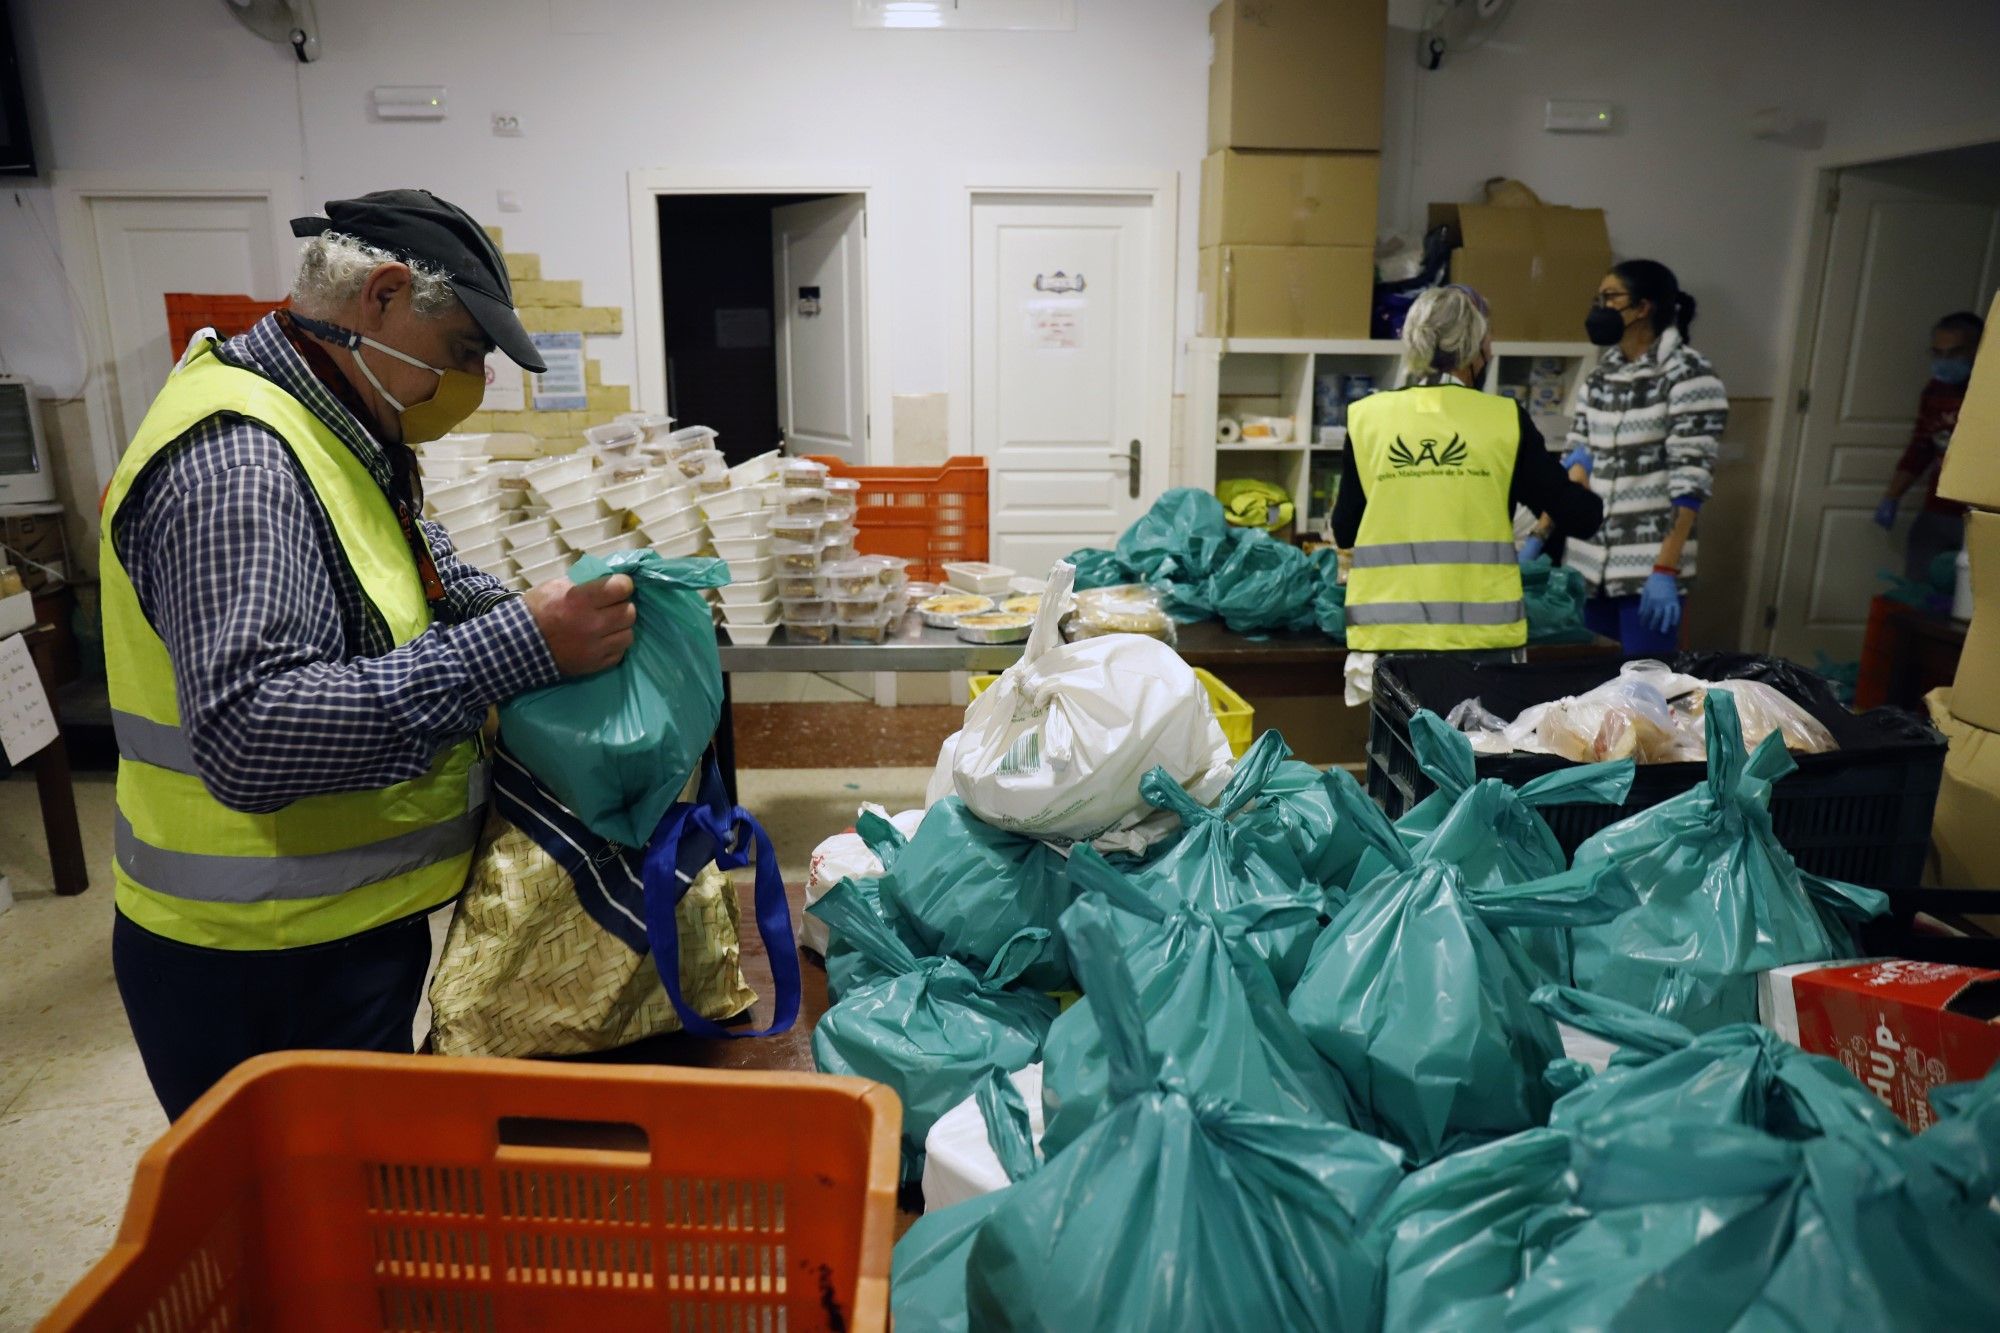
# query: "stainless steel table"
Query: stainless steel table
{"points": [[916, 648]]}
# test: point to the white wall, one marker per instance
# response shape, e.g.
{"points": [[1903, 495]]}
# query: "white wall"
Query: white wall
{"points": [[604, 86], [1681, 179]]}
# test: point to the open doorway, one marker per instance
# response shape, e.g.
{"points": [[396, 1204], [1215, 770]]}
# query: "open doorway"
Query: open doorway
{"points": [[1902, 243], [764, 319]]}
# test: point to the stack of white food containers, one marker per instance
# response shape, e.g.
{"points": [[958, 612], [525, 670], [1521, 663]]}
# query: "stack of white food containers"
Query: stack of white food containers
{"points": [[812, 533], [736, 525], [462, 495]]}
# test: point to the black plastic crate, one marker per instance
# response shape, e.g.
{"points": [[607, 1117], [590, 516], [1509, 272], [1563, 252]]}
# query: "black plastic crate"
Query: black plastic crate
{"points": [[1861, 813]]}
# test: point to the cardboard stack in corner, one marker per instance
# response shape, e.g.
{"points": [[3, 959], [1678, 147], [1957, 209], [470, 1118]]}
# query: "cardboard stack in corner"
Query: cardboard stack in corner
{"points": [[1288, 190], [1966, 832]]}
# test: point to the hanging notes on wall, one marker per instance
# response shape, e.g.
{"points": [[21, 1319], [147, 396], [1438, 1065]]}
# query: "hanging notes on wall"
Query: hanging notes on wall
{"points": [[26, 721]]}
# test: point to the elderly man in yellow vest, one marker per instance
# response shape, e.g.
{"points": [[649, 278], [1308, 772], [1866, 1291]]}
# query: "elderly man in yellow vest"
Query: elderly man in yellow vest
{"points": [[299, 664], [1427, 492]]}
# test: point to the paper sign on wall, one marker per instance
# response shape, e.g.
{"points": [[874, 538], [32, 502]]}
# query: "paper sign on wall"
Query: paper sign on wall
{"points": [[506, 385], [26, 723], [1055, 324], [560, 388]]}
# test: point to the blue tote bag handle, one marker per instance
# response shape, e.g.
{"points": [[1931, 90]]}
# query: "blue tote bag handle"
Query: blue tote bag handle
{"points": [[692, 834]]}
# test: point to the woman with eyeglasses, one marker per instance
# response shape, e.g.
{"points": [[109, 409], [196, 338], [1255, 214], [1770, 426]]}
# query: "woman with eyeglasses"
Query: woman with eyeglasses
{"points": [[1645, 437]]}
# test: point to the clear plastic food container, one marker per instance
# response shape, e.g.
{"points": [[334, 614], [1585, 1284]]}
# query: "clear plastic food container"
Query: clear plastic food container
{"points": [[806, 608], [795, 557], [833, 551], [690, 439], [802, 502], [854, 578], [809, 629], [802, 587], [791, 528], [802, 472], [891, 571], [874, 630], [865, 611], [702, 462], [616, 437]]}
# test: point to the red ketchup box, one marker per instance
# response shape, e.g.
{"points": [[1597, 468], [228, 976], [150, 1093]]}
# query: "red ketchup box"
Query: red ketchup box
{"points": [[1901, 1027]]}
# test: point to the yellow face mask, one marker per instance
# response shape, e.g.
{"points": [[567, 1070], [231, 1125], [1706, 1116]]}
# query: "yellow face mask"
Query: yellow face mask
{"points": [[459, 393]]}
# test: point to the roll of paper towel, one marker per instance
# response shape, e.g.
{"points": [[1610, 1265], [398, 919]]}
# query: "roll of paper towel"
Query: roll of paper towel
{"points": [[1228, 430]]}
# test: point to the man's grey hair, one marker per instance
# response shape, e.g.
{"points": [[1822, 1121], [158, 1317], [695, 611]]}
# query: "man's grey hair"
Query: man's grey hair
{"points": [[1443, 331], [334, 266]]}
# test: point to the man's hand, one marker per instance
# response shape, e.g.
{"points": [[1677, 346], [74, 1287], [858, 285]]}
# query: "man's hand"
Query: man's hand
{"points": [[588, 626]]}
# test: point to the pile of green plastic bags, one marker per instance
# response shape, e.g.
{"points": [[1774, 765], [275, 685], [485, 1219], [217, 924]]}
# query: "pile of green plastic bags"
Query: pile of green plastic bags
{"points": [[1254, 583], [1316, 1078]]}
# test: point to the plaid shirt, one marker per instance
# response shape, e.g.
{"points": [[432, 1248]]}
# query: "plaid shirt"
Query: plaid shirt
{"points": [[1653, 427], [289, 681]]}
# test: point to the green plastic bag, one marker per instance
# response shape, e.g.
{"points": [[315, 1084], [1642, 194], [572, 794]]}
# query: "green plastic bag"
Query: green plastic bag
{"points": [[1181, 539], [1720, 899], [1217, 864], [1176, 1211], [1507, 842], [927, 1268], [1554, 595], [931, 1028], [960, 888], [1330, 604], [850, 967], [1098, 569], [1421, 1002], [1210, 1006], [1264, 585], [1690, 1225], [1735, 1075], [1454, 1233], [618, 746], [1293, 809]]}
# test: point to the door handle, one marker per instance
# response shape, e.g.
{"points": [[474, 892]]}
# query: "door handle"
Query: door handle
{"points": [[1130, 458]]}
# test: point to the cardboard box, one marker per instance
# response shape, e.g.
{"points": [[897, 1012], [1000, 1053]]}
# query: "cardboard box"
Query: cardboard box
{"points": [[1538, 268], [1299, 74], [1262, 198], [1971, 475], [1286, 291], [1975, 690], [1901, 1027]]}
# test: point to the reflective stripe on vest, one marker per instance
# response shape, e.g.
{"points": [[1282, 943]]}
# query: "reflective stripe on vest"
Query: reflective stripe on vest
{"points": [[324, 867], [1434, 565]]}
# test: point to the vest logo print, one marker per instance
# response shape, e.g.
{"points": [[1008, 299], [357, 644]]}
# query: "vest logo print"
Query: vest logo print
{"points": [[1429, 454]]}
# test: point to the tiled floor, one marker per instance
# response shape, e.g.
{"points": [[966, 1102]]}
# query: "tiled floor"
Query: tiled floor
{"points": [[75, 1109]]}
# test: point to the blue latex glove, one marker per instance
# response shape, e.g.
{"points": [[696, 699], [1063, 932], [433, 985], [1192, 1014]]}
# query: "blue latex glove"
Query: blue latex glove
{"points": [[1531, 550], [1578, 457], [1885, 513], [1660, 603]]}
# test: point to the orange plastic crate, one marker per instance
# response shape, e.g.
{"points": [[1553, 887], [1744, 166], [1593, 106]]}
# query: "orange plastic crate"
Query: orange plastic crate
{"points": [[188, 313], [927, 515], [315, 1190]]}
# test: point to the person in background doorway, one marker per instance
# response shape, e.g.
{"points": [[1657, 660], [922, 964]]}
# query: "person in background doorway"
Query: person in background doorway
{"points": [[1645, 436], [300, 666], [1940, 526], [1428, 486]]}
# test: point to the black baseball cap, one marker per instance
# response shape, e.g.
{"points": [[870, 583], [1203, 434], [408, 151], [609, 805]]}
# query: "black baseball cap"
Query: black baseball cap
{"points": [[416, 224]]}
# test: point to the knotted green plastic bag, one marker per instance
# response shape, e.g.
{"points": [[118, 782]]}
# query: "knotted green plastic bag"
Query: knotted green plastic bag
{"points": [[1293, 809], [1735, 1075], [618, 746], [1680, 1224], [1178, 1211], [1181, 539], [1217, 864], [1264, 585], [1097, 568], [1554, 595], [931, 1028], [1508, 842], [1419, 999], [1720, 899], [1210, 1006], [962, 889], [1330, 604]]}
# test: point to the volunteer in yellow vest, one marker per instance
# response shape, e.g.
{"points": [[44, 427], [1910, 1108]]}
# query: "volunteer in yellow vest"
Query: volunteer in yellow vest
{"points": [[299, 665], [1427, 492]]}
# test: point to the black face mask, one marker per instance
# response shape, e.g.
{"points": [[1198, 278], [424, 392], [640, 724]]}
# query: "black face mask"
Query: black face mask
{"points": [[1603, 326]]}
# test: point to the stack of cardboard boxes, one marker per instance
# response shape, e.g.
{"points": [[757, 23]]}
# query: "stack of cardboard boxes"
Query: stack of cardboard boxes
{"points": [[1966, 833], [1288, 191], [1537, 265]]}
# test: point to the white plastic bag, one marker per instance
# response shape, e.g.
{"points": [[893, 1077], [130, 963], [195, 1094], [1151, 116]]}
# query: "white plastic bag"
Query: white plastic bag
{"points": [[1057, 747], [839, 857], [959, 1163]]}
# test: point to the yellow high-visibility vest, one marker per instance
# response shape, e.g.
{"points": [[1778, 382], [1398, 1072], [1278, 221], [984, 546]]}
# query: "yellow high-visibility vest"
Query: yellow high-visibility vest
{"points": [[324, 867], [1434, 567]]}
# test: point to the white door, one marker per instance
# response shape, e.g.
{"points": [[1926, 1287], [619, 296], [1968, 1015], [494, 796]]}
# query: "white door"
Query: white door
{"points": [[1898, 258], [1066, 359], [147, 246], [820, 265]]}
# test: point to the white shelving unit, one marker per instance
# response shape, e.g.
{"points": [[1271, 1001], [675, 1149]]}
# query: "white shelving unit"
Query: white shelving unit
{"points": [[1275, 377]]}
